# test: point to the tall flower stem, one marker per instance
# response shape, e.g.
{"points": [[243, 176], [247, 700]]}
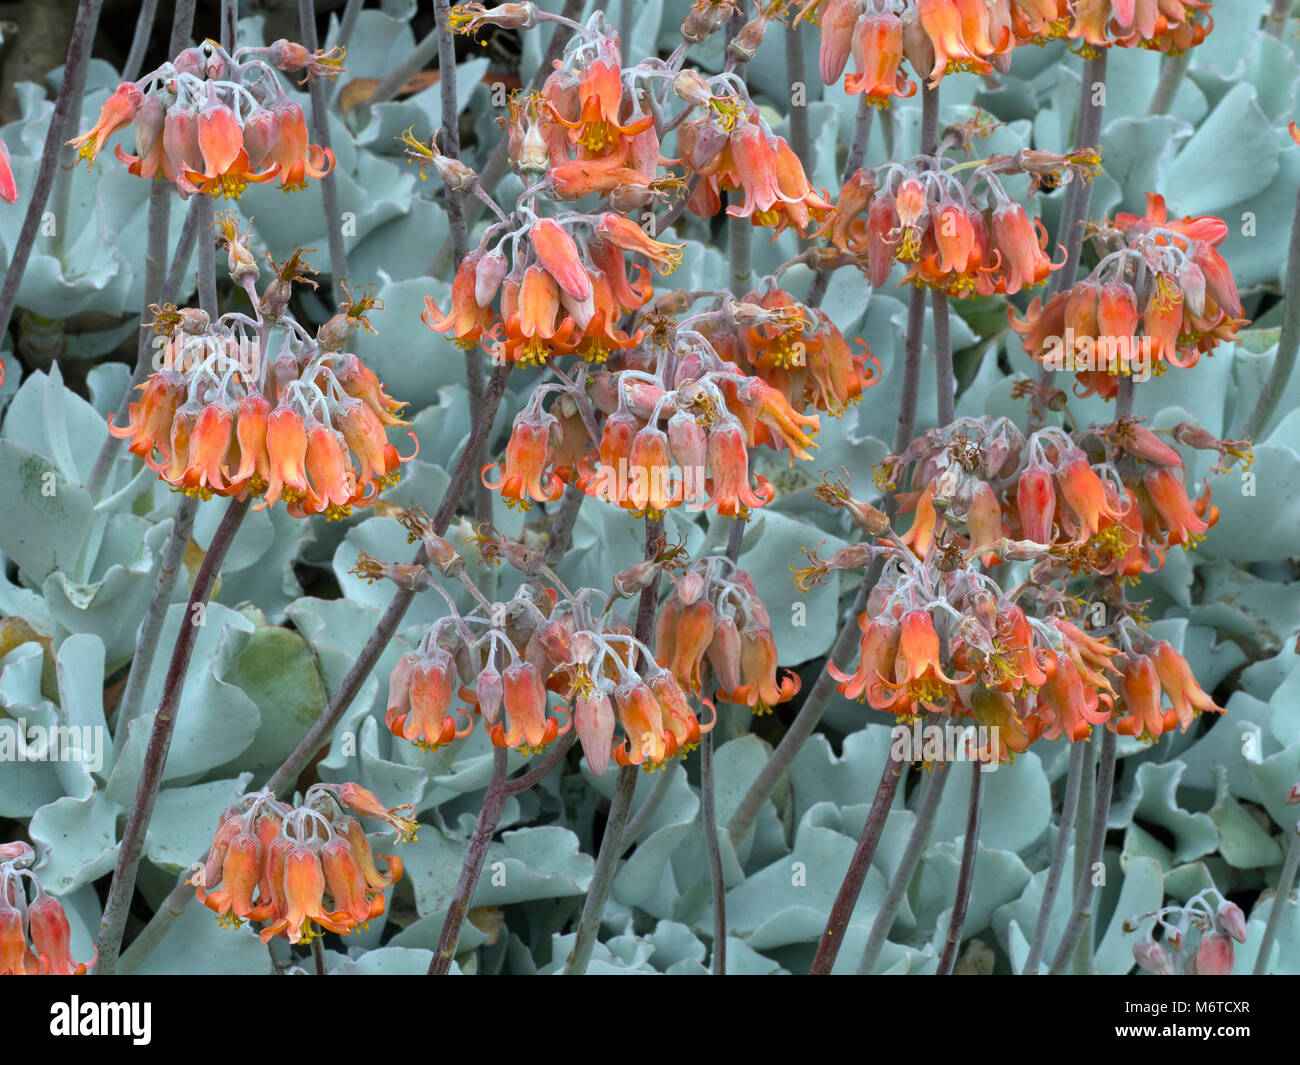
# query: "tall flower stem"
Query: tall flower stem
{"points": [[611, 844], [1281, 900], [1288, 343], [931, 792], [708, 807], [1078, 196], [1084, 888], [805, 722], [718, 885], [320, 121], [847, 898], [131, 848], [140, 40], [128, 709], [966, 874], [66, 103], [479, 492], [1172, 72], [230, 24], [424, 51], [1082, 833], [740, 232], [636, 825], [602, 878], [797, 78], [484, 828], [1069, 815], [348, 22], [857, 154]]}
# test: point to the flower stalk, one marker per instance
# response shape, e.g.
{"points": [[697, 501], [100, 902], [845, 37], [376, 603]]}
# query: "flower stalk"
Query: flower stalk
{"points": [[966, 873], [1069, 816], [131, 849], [931, 793]]}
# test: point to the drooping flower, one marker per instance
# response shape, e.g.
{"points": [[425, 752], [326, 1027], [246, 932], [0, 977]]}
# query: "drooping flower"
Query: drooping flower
{"points": [[302, 870], [320, 447], [213, 123], [8, 187], [35, 936]]}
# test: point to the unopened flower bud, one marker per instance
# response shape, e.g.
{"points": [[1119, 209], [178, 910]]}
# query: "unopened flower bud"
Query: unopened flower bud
{"points": [[1214, 955], [190, 61], [1153, 958], [1232, 921], [488, 275]]}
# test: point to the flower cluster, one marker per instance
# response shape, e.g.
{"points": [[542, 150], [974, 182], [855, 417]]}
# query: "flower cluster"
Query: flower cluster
{"points": [[506, 659], [942, 37], [959, 233], [714, 616], [1160, 296], [1170, 26], [794, 348], [34, 935], [679, 417], [951, 642], [937, 37], [1109, 500], [563, 290], [1152, 671], [1219, 925], [212, 122], [731, 148], [308, 429], [303, 870]]}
